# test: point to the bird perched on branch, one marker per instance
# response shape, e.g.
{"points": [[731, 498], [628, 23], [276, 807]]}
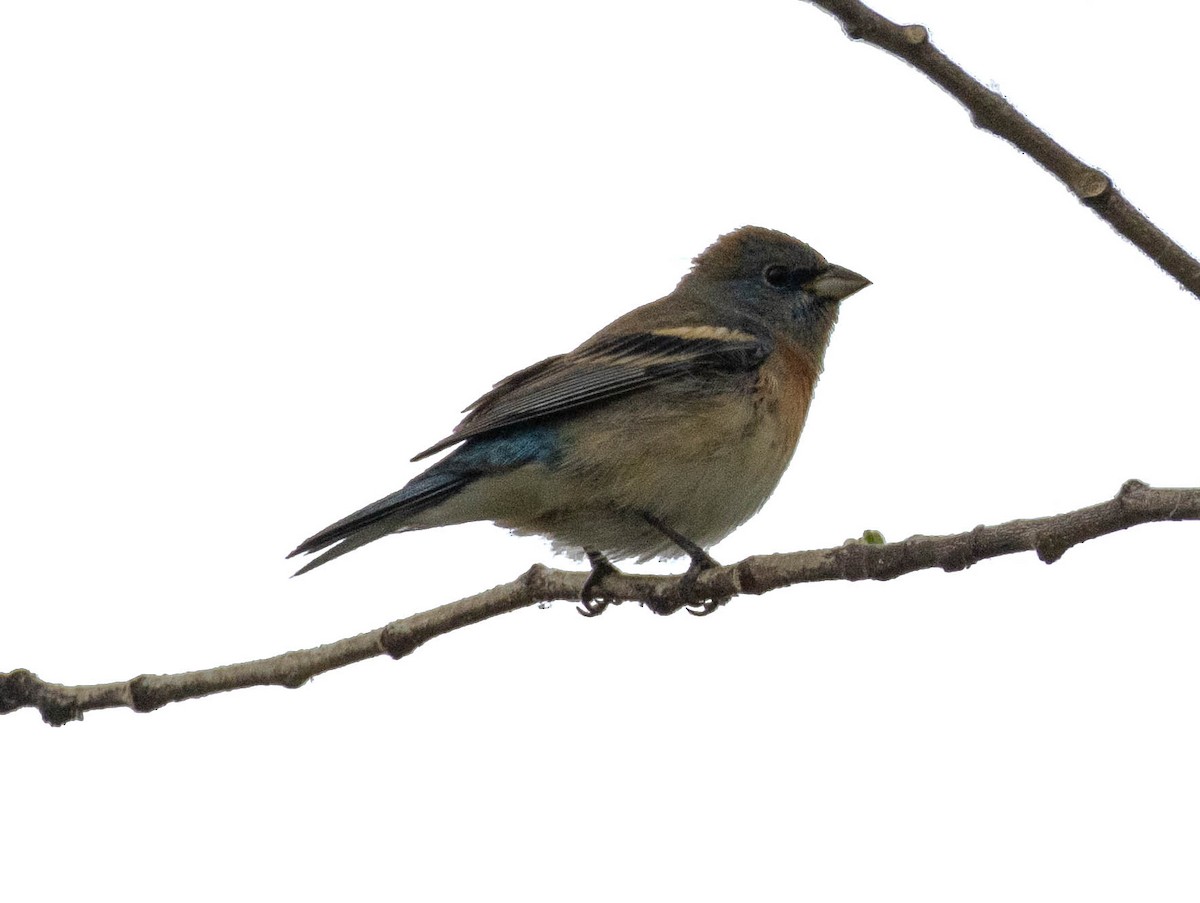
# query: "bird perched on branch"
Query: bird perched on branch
{"points": [[656, 437]]}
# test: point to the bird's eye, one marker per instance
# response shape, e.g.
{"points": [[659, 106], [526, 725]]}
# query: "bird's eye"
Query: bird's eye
{"points": [[776, 275]]}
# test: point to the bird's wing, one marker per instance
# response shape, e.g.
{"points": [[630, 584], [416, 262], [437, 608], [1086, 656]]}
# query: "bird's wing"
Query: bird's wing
{"points": [[603, 369]]}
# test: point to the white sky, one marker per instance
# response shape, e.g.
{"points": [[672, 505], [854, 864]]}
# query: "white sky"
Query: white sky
{"points": [[255, 255]]}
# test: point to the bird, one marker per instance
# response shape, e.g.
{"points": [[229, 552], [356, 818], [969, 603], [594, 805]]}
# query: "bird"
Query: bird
{"points": [[655, 438]]}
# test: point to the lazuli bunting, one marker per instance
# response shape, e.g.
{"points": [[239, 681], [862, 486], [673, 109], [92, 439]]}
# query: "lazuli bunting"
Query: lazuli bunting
{"points": [[656, 437]]}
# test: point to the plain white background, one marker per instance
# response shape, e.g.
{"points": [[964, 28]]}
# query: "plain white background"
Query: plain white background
{"points": [[255, 255]]}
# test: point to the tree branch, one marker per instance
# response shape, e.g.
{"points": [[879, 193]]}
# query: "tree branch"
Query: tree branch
{"points": [[991, 112], [1050, 537]]}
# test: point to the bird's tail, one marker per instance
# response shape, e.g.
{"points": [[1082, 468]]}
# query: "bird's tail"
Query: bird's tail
{"points": [[390, 514]]}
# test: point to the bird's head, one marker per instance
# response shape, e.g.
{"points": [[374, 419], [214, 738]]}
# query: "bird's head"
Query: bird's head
{"points": [[756, 275]]}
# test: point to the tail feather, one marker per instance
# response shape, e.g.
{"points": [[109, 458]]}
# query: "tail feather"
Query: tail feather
{"points": [[388, 515], [477, 458]]}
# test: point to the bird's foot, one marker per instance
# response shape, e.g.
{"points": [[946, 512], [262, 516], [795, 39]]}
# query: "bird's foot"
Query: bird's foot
{"points": [[684, 595], [591, 600]]}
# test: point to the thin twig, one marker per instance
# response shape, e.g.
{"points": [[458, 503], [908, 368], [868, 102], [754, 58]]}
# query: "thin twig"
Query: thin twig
{"points": [[991, 112], [1050, 537]]}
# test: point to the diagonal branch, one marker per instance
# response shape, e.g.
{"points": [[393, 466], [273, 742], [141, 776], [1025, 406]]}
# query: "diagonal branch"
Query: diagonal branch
{"points": [[1050, 537], [991, 112]]}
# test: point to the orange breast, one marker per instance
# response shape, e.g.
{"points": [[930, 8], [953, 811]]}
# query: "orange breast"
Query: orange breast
{"points": [[784, 390]]}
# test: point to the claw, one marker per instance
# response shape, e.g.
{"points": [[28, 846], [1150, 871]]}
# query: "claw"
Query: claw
{"points": [[701, 562], [589, 605], [589, 608]]}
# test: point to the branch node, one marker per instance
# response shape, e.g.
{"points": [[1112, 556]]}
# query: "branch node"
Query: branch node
{"points": [[17, 689], [1128, 488], [964, 553], [915, 34], [1050, 548], [537, 581], [399, 639], [294, 681], [143, 695], [22, 688], [858, 560], [1091, 185], [746, 579]]}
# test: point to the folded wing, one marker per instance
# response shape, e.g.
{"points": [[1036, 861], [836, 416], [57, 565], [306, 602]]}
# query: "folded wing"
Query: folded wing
{"points": [[605, 369]]}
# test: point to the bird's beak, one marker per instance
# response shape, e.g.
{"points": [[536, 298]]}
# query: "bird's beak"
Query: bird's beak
{"points": [[836, 283]]}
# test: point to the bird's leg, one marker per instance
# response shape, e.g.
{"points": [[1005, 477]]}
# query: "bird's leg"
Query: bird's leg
{"points": [[589, 604], [701, 562]]}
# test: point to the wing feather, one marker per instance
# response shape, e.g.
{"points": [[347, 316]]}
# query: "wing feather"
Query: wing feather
{"points": [[603, 369]]}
